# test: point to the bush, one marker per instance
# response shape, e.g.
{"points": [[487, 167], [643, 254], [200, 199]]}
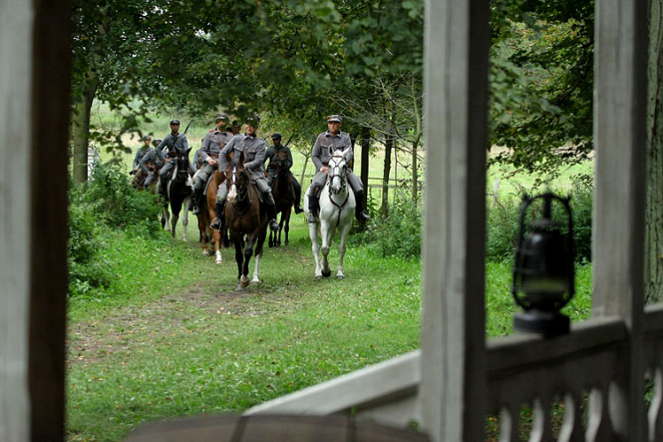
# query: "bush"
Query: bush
{"points": [[105, 204], [503, 217], [400, 233]]}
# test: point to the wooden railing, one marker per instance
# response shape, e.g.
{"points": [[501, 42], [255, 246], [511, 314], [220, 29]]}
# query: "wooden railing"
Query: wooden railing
{"points": [[521, 370]]}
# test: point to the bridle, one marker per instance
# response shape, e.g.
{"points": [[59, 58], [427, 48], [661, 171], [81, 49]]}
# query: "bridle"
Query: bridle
{"points": [[242, 193], [338, 170]]}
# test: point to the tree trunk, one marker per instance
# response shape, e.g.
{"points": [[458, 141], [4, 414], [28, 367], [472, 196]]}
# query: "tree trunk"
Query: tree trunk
{"points": [[80, 129], [388, 147], [415, 172], [365, 147], [301, 179], [654, 202]]}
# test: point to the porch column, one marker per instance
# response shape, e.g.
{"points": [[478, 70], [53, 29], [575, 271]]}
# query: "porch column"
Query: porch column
{"points": [[453, 331], [34, 112], [619, 134]]}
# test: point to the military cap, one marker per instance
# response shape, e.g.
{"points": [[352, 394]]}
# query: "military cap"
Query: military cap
{"points": [[174, 122], [222, 117], [253, 120], [147, 137], [276, 136], [334, 119]]}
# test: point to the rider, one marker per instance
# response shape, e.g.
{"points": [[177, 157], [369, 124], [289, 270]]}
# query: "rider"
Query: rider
{"points": [[172, 143], [154, 157], [334, 140], [272, 168], [214, 141], [254, 155], [140, 153]]}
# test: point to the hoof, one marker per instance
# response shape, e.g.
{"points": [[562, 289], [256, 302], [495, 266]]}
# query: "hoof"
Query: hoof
{"points": [[239, 288], [326, 274], [218, 261], [205, 253], [244, 283], [255, 281], [340, 276], [318, 277]]}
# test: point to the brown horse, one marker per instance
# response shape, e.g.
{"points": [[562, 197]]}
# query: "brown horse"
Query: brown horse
{"points": [[284, 198], [207, 214], [245, 217]]}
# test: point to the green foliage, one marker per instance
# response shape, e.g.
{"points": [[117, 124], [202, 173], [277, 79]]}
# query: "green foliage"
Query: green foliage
{"points": [[399, 234], [117, 204], [97, 209], [503, 218]]}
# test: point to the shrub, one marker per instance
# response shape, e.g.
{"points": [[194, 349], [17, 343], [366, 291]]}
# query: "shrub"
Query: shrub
{"points": [[399, 234]]}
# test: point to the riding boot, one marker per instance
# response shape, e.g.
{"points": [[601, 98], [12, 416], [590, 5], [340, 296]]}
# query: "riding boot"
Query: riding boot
{"points": [[271, 214], [312, 207], [359, 208], [163, 189], [197, 200], [298, 196], [219, 221]]}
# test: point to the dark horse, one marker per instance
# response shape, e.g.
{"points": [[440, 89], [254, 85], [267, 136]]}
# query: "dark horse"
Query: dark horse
{"points": [[180, 191], [245, 217], [284, 198]]}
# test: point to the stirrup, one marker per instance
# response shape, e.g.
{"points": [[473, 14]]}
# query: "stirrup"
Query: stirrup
{"points": [[311, 218], [215, 224], [273, 225]]}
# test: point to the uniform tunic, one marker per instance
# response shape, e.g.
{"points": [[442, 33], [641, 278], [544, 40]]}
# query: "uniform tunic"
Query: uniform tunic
{"points": [[139, 155], [213, 143], [325, 145], [254, 158], [271, 168], [171, 144]]}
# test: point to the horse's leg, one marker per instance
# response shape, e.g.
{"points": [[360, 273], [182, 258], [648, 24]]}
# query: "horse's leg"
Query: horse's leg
{"points": [[327, 233], [313, 234], [175, 216], [342, 247], [239, 258], [185, 218], [262, 235], [203, 234], [287, 224], [216, 241], [281, 221], [165, 218], [248, 252]]}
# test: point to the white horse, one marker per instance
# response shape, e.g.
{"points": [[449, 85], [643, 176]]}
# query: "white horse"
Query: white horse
{"points": [[337, 208]]}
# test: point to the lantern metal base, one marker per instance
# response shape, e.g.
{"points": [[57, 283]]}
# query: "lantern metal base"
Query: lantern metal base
{"points": [[548, 324]]}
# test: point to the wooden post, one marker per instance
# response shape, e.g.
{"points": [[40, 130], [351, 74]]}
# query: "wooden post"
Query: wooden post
{"points": [[452, 393], [34, 109], [619, 134]]}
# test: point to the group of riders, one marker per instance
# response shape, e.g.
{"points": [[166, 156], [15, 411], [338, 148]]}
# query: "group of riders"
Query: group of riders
{"points": [[154, 165]]}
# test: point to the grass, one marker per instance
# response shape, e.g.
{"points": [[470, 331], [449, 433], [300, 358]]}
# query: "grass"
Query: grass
{"points": [[171, 337]]}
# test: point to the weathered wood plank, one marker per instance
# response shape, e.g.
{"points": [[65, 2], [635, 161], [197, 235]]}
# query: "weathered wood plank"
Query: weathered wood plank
{"points": [[17, 21], [276, 428], [50, 102], [619, 133], [376, 386], [453, 326]]}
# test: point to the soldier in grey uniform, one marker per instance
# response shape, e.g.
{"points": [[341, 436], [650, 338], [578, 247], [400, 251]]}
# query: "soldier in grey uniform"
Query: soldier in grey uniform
{"points": [[272, 168], [254, 156], [334, 140], [140, 153], [173, 142], [214, 141], [151, 156]]}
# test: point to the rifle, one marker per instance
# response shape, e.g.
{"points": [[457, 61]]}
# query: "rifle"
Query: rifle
{"points": [[289, 139]]}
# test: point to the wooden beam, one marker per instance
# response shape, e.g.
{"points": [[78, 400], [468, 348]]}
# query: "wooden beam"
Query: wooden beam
{"points": [[619, 134], [17, 21], [452, 393], [34, 109]]}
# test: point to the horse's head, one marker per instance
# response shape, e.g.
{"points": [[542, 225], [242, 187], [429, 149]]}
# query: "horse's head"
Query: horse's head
{"points": [[338, 170], [281, 160], [182, 159], [237, 178]]}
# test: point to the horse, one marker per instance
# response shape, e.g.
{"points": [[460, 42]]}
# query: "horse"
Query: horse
{"points": [[337, 207], [283, 192], [207, 214], [179, 192], [245, 216]]}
